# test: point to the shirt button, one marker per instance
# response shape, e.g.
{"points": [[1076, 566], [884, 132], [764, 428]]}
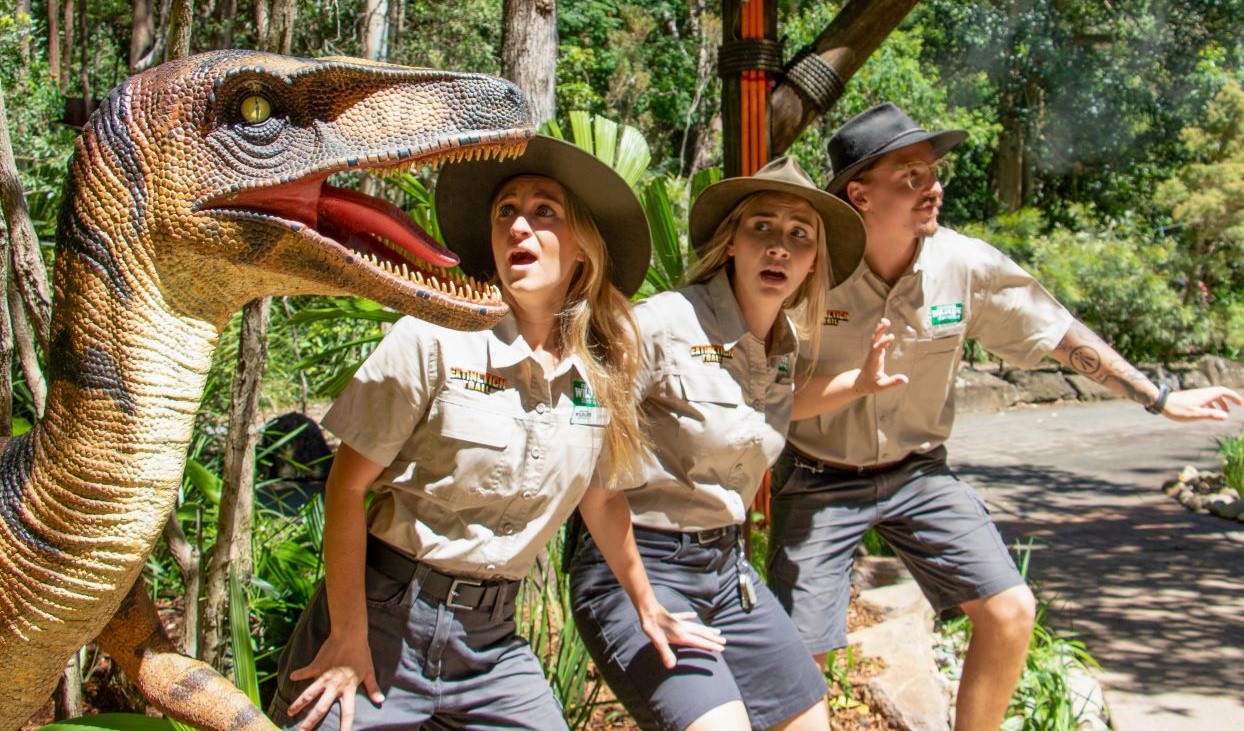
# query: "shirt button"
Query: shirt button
{"points": [[542, 408], [758, 405], [491, 567], [528, 494], [507, 529], [536, 453]]}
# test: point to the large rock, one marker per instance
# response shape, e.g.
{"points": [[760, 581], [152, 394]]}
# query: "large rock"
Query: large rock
{"points": [[978, 391], [1042, 386], [1089, 390], [1222, 372], [909, 691]]}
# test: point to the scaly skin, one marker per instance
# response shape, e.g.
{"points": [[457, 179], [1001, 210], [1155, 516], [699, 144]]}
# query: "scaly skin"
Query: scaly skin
{"points": [[178, 210]]}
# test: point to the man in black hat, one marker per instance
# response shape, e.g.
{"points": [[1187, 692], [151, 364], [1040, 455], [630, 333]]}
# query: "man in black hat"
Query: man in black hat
{"points": [[867, 449]]}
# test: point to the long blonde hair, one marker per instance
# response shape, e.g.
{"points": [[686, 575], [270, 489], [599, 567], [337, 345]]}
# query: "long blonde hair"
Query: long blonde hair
{"points": [[806, 305], [597, 326]]}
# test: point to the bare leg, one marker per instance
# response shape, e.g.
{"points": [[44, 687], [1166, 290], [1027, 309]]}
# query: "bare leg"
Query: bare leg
{"points": [[181, 687], [1001, 627], [730, 716], [815, 718]]}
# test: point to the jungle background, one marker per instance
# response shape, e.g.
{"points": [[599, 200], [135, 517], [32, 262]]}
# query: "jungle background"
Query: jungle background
{"points": [[1106, 154]]}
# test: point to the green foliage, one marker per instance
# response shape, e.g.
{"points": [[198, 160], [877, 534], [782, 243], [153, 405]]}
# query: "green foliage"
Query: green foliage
{"points": [[1110, 275], [1232, 451], [113, 721]]}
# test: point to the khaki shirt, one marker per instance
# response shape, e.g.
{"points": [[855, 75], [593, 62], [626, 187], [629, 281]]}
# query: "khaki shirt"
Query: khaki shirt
{"points": [[485, 457], [717, 407], [957, 288]]}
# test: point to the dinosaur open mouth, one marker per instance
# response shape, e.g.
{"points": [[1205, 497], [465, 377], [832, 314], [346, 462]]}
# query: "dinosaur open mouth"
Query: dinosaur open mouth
{"points": [[379, 232]]}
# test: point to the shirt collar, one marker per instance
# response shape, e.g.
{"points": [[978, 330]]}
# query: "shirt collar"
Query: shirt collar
{"points": [[507, 348]]}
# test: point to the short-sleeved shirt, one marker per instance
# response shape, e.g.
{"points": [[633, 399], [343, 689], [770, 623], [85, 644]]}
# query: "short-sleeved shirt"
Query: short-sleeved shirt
{"points": [[717, 406], [484, 456], [957, 287]]}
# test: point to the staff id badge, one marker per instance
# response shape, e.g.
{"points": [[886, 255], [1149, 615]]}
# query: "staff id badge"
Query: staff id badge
{"points": [[586, 411]]}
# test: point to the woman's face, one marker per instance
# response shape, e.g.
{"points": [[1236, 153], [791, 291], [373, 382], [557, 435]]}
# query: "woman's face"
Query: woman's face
{"points": [[532, 245], [774, 246]]}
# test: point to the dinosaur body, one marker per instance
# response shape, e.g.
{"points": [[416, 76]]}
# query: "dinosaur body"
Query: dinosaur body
{"points": [[198, 186]]}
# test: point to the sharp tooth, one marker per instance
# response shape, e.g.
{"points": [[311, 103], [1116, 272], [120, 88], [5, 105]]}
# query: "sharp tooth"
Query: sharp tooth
{"points": [[405, 272], [419, 277]]}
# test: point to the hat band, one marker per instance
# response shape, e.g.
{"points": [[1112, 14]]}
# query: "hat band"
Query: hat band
{"points": [[892, 140]]}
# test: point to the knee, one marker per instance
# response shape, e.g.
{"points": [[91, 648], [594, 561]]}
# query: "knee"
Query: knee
{"points": [[1010, 614]]}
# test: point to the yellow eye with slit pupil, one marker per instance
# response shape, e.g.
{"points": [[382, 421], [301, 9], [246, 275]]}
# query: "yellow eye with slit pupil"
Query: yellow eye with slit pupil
{"points": [[256, 109]]}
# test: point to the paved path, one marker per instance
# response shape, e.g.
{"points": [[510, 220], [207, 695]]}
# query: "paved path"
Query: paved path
{"points": [[1156, 592]]}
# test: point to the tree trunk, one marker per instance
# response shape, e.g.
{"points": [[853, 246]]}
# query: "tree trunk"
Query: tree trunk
{"points": [[224, 14], [180, 17], [142, 31], [529, 54], [54, 40], [187, 556], [233, 537], [9, 186], [274, 24], [21, 248], [845, 45], [84, 71], [376, 30], [697, 132], [66, 49], [23, 7], [67, 700], [24, 342]]}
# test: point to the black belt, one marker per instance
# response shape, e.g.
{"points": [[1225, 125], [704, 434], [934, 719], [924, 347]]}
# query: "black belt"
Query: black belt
{"points": [[812, 464], [452, 591], [702, 537]]}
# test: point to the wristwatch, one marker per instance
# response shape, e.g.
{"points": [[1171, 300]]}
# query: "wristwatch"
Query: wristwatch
{"points": [[1160, 402]]}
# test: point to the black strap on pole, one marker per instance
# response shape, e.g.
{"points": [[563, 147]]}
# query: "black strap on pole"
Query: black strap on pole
{"points": [[814, 79], [749, 54]]}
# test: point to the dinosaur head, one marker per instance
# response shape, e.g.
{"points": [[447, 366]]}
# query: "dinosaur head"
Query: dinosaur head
{"points": [[223, 161]]}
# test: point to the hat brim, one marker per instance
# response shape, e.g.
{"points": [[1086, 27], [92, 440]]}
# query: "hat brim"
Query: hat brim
{"points": [[464, 193], [844, 230], [943, 142]]}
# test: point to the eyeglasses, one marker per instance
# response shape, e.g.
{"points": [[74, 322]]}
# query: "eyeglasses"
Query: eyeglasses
{"points": [[919, 174]]}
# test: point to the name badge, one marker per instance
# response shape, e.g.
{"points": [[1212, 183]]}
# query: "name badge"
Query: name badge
{"points": [[946, 314], [586, 411]]}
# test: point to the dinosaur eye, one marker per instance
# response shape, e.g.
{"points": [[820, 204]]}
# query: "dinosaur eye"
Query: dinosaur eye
{"points": [[256, 109]]}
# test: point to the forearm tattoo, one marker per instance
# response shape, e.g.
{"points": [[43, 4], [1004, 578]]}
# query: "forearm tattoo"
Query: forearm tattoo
{"points": [[1086, 353]]}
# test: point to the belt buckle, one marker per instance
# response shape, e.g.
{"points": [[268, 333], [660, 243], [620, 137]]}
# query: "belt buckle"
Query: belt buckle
{"points": [[452, 596], [712, 535], [816, 466]]}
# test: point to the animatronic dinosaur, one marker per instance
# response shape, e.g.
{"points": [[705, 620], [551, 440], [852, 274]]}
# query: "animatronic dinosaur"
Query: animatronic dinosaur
{"points": [[198, 186]]}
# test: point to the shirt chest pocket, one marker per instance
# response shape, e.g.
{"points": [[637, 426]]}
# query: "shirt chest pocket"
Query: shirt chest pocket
{"points": [[934, 372], [711, 414], [473, 448]]}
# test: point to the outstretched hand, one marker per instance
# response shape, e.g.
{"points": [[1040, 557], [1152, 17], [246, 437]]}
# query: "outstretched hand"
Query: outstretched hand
{"points": [[1201, 403], [872, 376], [678, 628], [338, 668]]}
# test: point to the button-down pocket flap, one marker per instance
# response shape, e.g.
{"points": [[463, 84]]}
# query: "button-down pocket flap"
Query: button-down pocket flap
{"points": [[938, 346], [470, 424], [714, 387]]}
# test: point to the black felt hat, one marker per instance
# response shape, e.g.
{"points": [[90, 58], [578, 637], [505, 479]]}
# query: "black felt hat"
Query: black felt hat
{"points": [[875, 132], [844, 230], [464, 193]]}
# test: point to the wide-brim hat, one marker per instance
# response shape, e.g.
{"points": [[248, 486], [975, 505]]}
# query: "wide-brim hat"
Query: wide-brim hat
{"points": [[464, 194], [875, 132], [844, 230]]}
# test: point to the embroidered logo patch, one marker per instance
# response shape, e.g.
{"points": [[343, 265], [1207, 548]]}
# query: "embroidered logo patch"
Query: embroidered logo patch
{"points": [[475, 381], [946, 314], [710, 353], [834, 318], [586, 411]]}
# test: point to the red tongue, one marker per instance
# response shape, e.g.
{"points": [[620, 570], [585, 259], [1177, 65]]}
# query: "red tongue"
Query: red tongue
{"points": [[353, 211]]}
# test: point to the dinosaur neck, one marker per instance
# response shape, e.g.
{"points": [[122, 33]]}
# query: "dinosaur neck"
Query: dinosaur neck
{"points": [[127, 375]]}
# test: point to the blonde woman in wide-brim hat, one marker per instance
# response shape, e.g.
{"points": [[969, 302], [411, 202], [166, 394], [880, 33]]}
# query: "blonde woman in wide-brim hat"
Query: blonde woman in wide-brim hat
{"points": [[716, 383], [477, 446]]}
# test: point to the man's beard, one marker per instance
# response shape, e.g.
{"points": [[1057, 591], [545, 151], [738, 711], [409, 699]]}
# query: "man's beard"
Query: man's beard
{"points": [[929, 227]]}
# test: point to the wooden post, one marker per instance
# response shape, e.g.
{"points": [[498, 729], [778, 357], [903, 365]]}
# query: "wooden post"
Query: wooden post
{"points": [[745, 85]]}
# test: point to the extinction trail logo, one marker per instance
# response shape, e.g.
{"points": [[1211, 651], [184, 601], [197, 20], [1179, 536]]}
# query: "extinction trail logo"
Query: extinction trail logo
{"points": [[710, 353], [484, 383]]}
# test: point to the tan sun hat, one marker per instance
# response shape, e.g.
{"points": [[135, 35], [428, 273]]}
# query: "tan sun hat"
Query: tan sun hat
{"points": [[844, 231], [464, 194]]}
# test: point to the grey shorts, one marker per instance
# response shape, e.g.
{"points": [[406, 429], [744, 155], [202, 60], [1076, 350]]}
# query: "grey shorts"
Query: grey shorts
{"points": [[938, 525], [446, 668], [764, 664]]}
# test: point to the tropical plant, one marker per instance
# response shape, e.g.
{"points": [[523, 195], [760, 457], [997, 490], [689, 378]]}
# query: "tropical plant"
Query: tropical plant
{"points": [[1232, 451]]}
